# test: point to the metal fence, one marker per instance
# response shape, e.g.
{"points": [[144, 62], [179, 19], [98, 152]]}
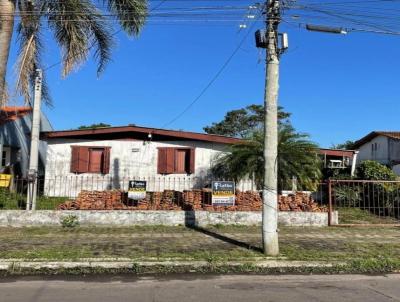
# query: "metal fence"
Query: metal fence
{"points": [[52, 192], [361, 202]]}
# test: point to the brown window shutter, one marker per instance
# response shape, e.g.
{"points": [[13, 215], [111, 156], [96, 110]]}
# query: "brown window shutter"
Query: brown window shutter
{"points": [[170, 159], [74, 159], [106, 161], [83, 160], [192, 160], [162, 161]]}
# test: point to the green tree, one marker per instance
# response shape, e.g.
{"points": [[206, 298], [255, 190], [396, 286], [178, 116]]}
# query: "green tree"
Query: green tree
{"points": [[77, 25], [372, 170], [243, 122], [94, 126], [297, 157], [347, 145]]}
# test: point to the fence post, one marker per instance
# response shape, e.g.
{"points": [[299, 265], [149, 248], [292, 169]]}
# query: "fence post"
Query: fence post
{"points": [[329, 202]]}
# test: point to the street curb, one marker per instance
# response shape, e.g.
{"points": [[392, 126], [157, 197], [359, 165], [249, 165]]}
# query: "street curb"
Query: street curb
{"points": [[7, 265]]}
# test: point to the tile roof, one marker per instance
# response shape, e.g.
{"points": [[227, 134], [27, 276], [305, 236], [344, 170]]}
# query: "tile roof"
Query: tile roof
{"points": [[12, 113], [373, 134]]}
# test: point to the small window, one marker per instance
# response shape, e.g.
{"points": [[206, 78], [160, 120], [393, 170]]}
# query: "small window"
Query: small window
{"points": [[90, 159], [5, 157], [182, 161], [176, 160]]}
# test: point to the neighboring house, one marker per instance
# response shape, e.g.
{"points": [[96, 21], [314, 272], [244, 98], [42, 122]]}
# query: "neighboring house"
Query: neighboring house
{"points": [[381, 146], [334, 159], [107, 158], [15, 129]]}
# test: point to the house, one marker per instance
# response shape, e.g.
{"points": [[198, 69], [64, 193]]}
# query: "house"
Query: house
{"points": [[335, 159], [108, 158], [381, 146], [15, 129]]}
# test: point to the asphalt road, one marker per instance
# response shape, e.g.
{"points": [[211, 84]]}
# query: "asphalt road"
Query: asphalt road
{"points": [[203, 288]]}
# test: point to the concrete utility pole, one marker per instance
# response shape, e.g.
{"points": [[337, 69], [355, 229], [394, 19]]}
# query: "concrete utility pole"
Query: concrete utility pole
{"points": [[34, 152], [270, 189]]}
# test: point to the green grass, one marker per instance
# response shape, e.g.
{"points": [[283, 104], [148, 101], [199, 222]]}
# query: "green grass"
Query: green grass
{"points": [[359, 216], [17, 201], [161, 242]]}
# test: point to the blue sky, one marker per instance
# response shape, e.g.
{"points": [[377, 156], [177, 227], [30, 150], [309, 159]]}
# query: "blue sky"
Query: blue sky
{"points": [[337, 87]]}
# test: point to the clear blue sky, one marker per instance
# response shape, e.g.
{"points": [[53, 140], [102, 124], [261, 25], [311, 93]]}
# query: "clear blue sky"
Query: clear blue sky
{"points": [[337, 87]]}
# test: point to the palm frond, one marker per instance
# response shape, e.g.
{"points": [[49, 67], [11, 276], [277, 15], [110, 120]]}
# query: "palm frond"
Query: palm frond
{"points": [[297, 156], [31, 46], [78, 26], [131, 14]]}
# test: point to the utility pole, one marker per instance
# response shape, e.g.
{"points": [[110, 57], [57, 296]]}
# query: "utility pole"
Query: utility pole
{"points": [[270, 184], [34, 150]]}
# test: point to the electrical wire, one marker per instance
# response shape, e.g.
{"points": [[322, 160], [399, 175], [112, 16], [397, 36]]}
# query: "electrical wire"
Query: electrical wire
{"points": [[212, 81]]}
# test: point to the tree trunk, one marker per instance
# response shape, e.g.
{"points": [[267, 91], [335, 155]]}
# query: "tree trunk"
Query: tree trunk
{"points": [[6, 31]]}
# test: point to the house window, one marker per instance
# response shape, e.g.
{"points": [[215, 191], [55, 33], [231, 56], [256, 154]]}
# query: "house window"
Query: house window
{"points": [[374, 150], [176, 160], [5, 157], [90, 159]]}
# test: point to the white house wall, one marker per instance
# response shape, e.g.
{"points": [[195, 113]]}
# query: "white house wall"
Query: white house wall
{"points": [[382, 153], [129, 159]]}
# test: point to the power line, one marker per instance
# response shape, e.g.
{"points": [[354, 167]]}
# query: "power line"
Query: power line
{"points": [[211, 82]]}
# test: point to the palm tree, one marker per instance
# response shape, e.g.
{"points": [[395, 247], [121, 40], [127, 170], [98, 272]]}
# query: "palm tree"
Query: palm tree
{"points": [[77, 26], [297, 157]]}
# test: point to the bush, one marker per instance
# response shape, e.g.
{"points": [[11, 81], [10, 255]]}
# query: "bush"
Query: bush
{"points": [[372, 170], [69, 221], [347, 196]]}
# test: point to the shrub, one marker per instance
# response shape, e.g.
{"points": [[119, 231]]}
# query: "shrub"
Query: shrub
{"points": [[69, 221], [347, 196], [372, 170]]}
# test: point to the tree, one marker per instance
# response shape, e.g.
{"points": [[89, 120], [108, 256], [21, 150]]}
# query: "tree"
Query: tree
{"points": [[372, 170], [243, 122], [94, 126], [347, 145], [297, 157], [77, 26]]}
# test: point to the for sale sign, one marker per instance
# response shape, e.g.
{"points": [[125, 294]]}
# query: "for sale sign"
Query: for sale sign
{"points": [[223, 193], [137, 189]]}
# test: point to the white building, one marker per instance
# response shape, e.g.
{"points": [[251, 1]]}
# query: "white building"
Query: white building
{"points": [[107, 158], [381, 146]]}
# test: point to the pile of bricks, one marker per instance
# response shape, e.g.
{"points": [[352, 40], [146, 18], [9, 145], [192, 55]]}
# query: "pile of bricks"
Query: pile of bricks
{"points": [[96, 200], [194, 200], [299, 202], [248, 201]]}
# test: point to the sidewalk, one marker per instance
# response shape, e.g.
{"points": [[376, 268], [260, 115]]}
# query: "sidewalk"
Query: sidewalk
{"points": [[368, 249]]}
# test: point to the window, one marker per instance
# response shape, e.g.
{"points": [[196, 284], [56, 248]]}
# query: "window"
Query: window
{"points": [[5, 157], [374, 150], [90, 159], [176, 161]]}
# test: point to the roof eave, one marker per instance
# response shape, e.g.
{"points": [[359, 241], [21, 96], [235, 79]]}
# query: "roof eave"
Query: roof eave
{"points": [[143, 130]]}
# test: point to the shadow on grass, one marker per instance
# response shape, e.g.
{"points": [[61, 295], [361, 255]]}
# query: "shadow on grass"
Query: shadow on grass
{"points": [[190, 223]]}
